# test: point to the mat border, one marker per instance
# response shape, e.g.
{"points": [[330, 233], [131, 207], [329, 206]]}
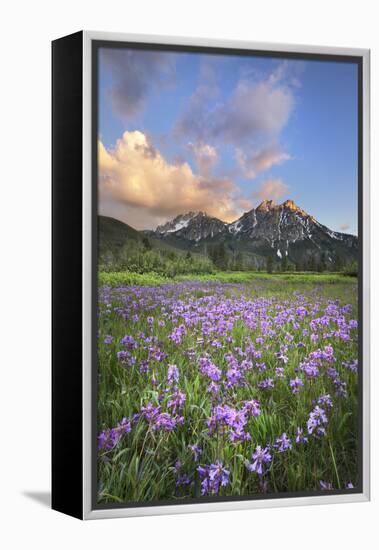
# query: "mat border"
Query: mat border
{"points": [[90, 511]]}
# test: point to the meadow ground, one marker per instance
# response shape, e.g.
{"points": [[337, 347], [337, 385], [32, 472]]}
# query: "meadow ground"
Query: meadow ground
{"points": [[226, 384]]}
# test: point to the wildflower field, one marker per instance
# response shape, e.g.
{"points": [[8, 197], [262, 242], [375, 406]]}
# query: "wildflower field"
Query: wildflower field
{"points": [[207, 388]]}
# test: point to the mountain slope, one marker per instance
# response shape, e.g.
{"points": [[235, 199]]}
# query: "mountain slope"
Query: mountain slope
{"points": [[114, 234], [193, 226]]}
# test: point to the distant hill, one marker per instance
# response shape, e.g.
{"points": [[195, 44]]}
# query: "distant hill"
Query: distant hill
{"points": [[113, 234]]}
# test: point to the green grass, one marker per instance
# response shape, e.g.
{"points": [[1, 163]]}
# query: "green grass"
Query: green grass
{"points": [[126, 278]]}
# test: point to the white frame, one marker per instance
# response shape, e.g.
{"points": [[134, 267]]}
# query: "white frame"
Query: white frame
{"points": [[88, 512]]}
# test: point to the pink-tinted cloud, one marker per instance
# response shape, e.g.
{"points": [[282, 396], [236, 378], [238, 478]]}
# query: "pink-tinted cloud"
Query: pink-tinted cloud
{"points": [[253, 163], [245, 204], [271, 189], [205, 157], [255, 110]]}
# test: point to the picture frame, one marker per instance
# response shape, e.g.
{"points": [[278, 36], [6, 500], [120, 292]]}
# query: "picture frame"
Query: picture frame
{"points": [[75, 285]]}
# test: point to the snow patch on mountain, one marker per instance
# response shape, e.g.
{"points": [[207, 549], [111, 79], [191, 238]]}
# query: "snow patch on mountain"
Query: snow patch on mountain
{"points": [[235, 227]]}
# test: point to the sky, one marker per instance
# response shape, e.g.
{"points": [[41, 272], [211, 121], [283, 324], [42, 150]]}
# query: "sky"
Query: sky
{"points": [[182, 131]]}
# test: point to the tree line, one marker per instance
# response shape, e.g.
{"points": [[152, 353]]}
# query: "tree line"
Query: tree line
{"points": [[141, 256]]}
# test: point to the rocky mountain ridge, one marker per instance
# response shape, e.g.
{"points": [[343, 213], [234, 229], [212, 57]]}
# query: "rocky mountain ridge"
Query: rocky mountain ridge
{"points": [[270, 229]]}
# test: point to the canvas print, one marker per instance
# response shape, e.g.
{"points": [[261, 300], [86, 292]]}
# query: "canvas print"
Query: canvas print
{"points": [[228, 275]]}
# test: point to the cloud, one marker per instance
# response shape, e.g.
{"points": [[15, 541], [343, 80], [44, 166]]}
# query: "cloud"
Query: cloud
{"points": [[344, 226], [205, 157], [135, 74], [249, 120], [255, 110], [253, 163], [139, 186], [271, 189], [245, 204], [195, 122]]}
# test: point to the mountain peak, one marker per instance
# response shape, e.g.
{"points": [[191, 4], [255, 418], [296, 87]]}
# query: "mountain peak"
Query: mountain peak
{"points": [[266, 205], [192, 225], [290, 204], [180, 221]]}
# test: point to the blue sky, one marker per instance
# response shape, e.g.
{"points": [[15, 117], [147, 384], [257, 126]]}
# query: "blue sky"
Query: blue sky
{"points": [[181, 131]]}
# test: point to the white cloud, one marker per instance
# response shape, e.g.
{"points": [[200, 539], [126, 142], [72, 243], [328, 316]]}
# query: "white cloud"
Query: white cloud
{"points": [[139, 186]]}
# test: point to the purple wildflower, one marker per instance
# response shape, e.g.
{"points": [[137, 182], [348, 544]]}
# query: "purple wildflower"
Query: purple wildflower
{"points": [[234, 419], [316, 421], [183, 479], [310, 369], [252, 407], [177, 401], [196, 451], [234, 377], [260, 457], [283, 443], [109, 438], [340, 388], [122, 355], [166, 422], [144, 367], [213, 388], [172, 375], [300, 437], [353, 365], [296, 384], [260, 366], [106, 440], [212, 478], [266, 384], [177, 334], [209, 369], [150, 412], [126, 358], [129, 342], [125, 426], [325, 401]]}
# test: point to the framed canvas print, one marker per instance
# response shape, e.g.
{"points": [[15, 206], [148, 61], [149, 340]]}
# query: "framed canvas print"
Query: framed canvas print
{"points": [[210, 275]]}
